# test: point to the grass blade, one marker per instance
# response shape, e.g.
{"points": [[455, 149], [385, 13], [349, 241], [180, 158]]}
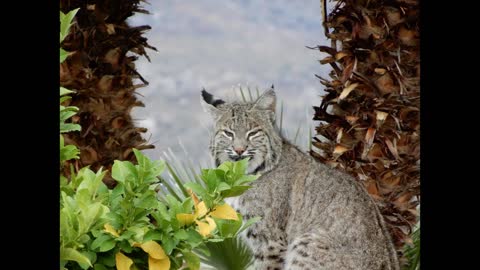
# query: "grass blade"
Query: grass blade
{"points": [[169, 187], [231, 254], [296, 133], [250, 93], [243, 96], [177, 180]]}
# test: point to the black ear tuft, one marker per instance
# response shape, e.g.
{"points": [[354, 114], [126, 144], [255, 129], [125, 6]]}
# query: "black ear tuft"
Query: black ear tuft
{"points": [[272, 86], [210, 99]]}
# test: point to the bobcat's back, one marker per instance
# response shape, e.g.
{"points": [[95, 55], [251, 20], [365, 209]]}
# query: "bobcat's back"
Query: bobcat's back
{"points": [[311, 214]]}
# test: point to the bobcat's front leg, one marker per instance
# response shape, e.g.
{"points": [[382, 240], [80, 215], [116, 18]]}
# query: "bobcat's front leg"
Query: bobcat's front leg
{"points": [[268, 254]]}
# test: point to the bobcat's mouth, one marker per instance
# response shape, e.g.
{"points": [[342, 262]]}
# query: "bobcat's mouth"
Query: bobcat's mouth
{"points": [[248, 154], [236, 158]]}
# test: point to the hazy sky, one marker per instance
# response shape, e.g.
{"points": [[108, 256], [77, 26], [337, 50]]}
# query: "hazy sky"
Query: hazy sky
{"points": [[220, 45]]}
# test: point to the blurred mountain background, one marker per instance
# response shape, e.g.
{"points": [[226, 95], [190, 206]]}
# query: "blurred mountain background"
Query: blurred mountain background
{"points": [[221, 45]]}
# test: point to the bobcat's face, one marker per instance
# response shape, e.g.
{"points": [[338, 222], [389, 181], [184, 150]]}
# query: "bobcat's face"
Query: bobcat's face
{"points": [[244, 130], [240, 137]]}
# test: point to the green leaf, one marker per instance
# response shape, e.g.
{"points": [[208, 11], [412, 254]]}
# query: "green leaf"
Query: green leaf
{"points": [[211, 180], [69, 127], [68, 152], [70, 254], [162, 209], [248, 224], [64, 98], [147, 200], [246, 179], [227, 227], [63, 55], [89, 215], [121, 170], [92, 181], [92, 256], [107, 245], [168, 243], [223, 186], [65, 91], [99, 267], [174, 205], [109, 261], [125, 246], [65, 22], [181, 235], [194, 238], [197, 188], [84, 238], [226, 166], [100, 240], [65, 114], [187, 205], [235, 191], [152, 235], [192, 260], [67, 224], [240, 168]]}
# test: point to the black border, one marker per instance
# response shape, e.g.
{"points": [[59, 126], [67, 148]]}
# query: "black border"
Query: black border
{"points": [[30, 130], [447, 136]]}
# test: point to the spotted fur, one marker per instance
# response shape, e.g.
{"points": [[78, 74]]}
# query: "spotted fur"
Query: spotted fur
{"points": [[313, 216]]}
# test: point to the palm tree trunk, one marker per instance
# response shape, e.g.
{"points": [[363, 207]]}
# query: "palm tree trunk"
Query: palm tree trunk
{"points": [[370, 124], [102, 74]]}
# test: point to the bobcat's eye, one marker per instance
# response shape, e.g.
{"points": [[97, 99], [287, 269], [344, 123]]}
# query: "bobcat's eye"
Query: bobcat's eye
{"points": [[228, 133], [253, 133]]}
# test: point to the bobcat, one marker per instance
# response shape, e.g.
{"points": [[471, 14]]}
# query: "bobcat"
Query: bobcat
{"points": [[313, 216]]}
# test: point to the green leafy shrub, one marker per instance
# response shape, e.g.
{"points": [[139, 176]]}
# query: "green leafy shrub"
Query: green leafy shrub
{"points": [[103, 228]]}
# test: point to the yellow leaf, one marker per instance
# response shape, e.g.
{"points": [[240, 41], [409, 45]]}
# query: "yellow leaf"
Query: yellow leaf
{"points": [[122, 262], [154, 264], [206, 228], [109, 228], [185, 219], [157, 259], [194, 197], [153, 249], [211, 222], [200, 210], [203, 228], [224, 211]]}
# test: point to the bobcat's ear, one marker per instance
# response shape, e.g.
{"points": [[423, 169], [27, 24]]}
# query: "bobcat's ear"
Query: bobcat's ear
{"points": [[209, 104], [266, 101]]}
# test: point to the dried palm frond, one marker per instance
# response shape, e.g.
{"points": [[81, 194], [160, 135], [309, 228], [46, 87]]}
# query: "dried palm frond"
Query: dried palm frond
{"points": [[370, 116]]}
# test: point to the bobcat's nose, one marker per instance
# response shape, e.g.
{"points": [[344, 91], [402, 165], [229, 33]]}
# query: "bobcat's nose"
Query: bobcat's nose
{"points": [[239, 150]]}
